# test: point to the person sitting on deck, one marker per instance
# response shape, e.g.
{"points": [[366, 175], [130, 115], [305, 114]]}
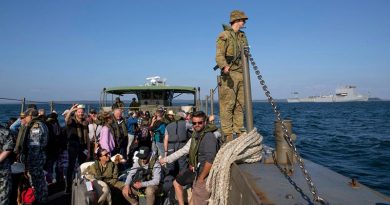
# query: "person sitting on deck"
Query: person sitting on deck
{"points": [[144, 177], [104, 170]]}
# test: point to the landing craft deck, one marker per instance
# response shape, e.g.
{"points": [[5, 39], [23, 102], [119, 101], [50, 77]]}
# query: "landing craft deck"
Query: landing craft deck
{"points": [[271, 186]]}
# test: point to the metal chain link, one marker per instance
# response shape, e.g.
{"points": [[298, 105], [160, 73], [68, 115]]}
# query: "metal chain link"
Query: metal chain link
{"points": [[286, 136]]}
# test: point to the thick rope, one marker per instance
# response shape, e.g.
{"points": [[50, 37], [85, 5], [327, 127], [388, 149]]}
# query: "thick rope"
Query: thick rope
{"points": [[247, 148]]}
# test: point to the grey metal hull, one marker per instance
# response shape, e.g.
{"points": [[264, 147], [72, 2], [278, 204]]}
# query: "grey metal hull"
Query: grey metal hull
{"points": [[260, 183]]}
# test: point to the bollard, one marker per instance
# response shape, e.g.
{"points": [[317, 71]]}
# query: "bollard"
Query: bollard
{"points": [[284, 153]]}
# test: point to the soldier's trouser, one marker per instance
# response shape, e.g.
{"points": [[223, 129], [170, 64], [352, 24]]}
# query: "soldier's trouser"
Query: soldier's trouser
{"points": [[231, 102], [5, 186], [35, 163]]}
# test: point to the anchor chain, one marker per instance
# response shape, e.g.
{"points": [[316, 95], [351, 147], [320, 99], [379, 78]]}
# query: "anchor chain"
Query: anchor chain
{"points": [[286, 136]]}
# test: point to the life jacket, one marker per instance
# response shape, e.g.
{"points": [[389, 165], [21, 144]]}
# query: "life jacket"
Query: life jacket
{"points": [[120, 131], [177, 131], [195, 144], [22, 140], [147, 173], [79, 133]]}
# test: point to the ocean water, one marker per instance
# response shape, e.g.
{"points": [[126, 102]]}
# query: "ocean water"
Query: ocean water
{"points": [[352, 139]]}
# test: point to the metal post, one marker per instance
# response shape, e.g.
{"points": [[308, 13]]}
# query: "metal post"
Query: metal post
{"points": [[51, 106], [211, 102], [23, 105], [206, 104], [200, 100], [195, 101], [247, 90], [284, 153]]}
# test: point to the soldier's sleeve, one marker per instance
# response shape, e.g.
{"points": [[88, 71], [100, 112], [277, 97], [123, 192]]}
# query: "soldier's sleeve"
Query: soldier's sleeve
{"points": [[221, 50], [8, 143], [45, 134]]}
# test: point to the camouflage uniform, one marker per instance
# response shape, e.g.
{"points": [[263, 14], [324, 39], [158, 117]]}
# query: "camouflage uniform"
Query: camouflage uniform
{"points": [[6, 144], [36, 141], [231, 93]]}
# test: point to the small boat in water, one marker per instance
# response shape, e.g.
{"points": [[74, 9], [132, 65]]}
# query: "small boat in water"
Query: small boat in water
{"points": [[153, 94], [345, 94]]}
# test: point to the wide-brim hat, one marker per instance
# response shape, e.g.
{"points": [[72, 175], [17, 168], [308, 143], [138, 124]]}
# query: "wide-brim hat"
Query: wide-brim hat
{"points": [[143, 152], [170, 112]]}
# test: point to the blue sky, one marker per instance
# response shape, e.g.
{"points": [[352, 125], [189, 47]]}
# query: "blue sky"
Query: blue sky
{"points": [[70, 50]]}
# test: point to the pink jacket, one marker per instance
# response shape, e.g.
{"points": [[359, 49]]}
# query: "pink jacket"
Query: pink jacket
{"points": [[107, 139]]}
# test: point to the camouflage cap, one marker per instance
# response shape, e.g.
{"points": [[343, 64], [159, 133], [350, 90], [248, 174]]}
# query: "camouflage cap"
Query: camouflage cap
{"points": [[237, 15], [31, 112], [22, 115]]}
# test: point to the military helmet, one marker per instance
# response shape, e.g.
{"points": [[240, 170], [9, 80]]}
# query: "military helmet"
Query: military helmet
{"points": [[237, 15]]}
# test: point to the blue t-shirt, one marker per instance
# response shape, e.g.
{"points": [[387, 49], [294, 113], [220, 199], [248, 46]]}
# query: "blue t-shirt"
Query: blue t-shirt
{"points": [[131, 122], [158, 135]]}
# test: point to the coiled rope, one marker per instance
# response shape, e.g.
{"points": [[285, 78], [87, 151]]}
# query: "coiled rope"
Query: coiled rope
{"points": [[246, 148]]}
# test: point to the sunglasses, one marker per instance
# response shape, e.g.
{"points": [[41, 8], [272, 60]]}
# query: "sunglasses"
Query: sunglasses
{"points": [[106, 155], [197, 123]]}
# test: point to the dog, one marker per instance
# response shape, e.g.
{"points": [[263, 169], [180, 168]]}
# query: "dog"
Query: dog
{"points": [[118, 159]]}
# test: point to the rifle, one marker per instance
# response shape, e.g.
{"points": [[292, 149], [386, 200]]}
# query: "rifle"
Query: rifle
{"points": [[229, 59]]}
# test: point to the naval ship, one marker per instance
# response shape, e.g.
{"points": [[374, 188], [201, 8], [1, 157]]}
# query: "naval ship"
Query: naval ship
{"points": [[344, 94]]}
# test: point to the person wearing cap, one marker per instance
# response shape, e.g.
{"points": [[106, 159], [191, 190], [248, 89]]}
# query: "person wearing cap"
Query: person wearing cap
{"points": [[14, 127], [144, 177], [31, 149], [118, 104], [78, 140], [230, 43], [53, 145], [6, 147]]}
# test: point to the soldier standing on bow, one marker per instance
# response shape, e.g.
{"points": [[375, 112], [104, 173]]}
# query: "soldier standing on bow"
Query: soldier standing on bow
{"points": [[231, 92]]}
